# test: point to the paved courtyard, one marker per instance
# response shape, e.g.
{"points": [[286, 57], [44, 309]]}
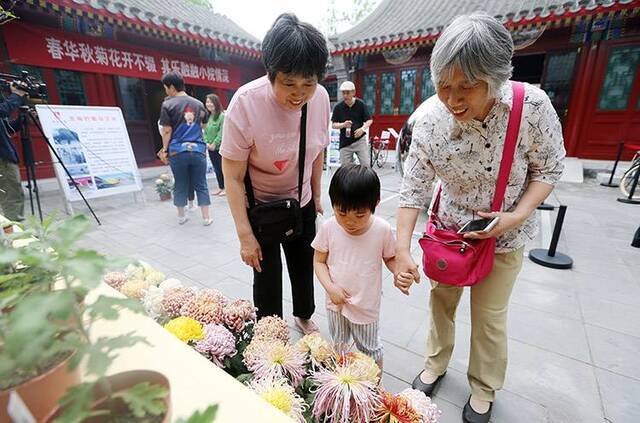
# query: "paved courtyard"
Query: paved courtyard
{"points": [[574, 335]]}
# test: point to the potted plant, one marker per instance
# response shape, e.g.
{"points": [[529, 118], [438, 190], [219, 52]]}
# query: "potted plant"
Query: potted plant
{"points": [[45, 330], [164, 187]]}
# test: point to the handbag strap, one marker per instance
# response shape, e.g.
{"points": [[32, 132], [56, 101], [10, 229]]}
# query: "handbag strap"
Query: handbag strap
{"points": [[511, 140], [302, 147], [513, 128]]}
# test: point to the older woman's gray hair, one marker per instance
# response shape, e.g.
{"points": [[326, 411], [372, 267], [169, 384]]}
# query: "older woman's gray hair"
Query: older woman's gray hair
{"points": [[479, 45]]}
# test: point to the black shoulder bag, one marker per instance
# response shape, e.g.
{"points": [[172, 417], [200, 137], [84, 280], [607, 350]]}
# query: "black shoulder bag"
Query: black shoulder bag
{"points": [[281, 220]]}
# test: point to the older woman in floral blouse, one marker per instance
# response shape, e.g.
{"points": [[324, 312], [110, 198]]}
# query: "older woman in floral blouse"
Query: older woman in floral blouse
{"points": [[458, 139]]}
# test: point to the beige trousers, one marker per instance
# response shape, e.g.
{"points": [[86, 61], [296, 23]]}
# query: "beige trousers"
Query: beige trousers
{"points": [[489, 301]]}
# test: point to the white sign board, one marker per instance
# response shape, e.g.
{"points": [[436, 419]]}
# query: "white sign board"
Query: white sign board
{"points": [[94, 145], [333, 149]]}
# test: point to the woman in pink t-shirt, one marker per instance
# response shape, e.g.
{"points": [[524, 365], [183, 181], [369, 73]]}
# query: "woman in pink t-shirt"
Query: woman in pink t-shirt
{"points": [[261, 136]]}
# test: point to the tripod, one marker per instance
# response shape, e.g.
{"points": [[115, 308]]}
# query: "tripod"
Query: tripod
{"points": [[24, 113]]}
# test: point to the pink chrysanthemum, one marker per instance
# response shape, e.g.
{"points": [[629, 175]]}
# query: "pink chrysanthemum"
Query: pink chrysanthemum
{"points": [[271, 327], [115, 279], [396, 409], [238, 313], [428, 411], [174, 299], [217, 344], [345, 393], [206, 307], [272, 357]]}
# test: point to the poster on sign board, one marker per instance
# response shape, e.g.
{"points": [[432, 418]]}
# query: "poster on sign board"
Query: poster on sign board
{"points": [[93, 143], [333, 149]]}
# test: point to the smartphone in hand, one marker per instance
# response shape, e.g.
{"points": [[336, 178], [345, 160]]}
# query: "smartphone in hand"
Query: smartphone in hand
{"points": [[479, 225]]}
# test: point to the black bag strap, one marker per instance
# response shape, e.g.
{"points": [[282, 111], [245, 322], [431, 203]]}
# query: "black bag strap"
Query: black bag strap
{"points": [[301, 156]]}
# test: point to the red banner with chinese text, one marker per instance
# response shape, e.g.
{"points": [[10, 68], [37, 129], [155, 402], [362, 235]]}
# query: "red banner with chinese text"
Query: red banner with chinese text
{"points": [[31, 45]]}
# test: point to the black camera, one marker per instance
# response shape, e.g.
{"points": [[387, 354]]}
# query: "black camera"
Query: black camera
{"points": [[36, 90]]}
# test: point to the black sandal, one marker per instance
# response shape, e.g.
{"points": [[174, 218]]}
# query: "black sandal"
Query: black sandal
{"points": [[469, 415], [427, 388]]}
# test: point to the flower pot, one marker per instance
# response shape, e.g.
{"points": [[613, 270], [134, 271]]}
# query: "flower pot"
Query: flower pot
{"points": [[41, 393], [165, 197], [120, 382]]}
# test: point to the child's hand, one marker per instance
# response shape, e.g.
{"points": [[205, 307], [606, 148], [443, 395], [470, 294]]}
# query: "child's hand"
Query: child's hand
{"points": [[338, 295], [403, 282]]}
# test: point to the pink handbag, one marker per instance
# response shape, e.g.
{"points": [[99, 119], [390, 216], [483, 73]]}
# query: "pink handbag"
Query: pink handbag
{"points": [[448, 257]]}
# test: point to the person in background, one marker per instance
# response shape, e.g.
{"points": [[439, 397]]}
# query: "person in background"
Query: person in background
{"points": [[11, 193], [352, 118], [213, 138], [183, 147], [192, 192]]}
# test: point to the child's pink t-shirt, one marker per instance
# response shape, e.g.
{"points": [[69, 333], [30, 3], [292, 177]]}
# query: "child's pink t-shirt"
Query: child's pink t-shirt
{"points": [[259, 130], [355, 264]]}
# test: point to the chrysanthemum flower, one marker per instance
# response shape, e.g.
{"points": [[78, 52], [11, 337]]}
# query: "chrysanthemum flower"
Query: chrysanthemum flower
{"points": [[115, 279], [185, 329], [134, 288], [278, 392], [174, 299], [206, 307], [396, 409], [267, 357], [364, 364], [316, 348], [271, 327], [238, 313], [217, 344], [345, 394], [170, 283], [428, 411]]}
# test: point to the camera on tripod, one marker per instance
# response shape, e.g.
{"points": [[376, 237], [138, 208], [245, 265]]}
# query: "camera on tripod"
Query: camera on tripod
{"points": [[36, 90]]}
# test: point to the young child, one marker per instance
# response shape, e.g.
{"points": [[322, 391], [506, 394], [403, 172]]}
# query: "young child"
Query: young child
{"points": [[349, 250]]}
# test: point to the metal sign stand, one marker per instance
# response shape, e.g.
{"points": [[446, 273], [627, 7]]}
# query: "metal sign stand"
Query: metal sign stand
{"points": [[551, 258]]}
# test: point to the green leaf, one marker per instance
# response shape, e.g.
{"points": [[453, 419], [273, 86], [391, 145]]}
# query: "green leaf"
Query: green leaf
{"points": [[101, 353], [207, 416], [71, 230], [108, 308], [87, 266], [245, 378], [77, 404], [144, 399]]}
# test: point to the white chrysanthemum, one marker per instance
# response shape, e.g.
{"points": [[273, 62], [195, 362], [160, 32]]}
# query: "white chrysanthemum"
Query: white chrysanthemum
{"points": [[152, 301], [171, 283]]}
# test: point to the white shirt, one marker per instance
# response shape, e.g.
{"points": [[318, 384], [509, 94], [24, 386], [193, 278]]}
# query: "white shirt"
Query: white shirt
{"points": [[466, 157]]}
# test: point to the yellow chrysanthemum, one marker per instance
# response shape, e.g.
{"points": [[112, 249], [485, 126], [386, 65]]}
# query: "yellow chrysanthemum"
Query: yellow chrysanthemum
{"points": [[277, 392], [185, 328]]}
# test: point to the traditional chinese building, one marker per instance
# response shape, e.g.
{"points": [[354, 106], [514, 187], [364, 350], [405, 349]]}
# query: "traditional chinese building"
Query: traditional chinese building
{"points": [[113, 53], [584, 54]]}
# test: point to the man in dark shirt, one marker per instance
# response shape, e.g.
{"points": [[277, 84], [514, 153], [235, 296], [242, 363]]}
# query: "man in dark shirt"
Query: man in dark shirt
{"points": [[11, 193], [352, 118], [183, 148]]}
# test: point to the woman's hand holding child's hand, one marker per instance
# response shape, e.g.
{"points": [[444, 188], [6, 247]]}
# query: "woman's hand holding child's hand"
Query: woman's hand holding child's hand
{"points": [[403, 282]]}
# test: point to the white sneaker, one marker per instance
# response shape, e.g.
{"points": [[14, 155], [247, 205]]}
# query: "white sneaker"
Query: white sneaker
{"points": [[182, 220], [207, 222]]}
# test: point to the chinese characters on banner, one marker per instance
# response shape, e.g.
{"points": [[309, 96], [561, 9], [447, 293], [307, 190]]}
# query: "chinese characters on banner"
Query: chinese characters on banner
{"points": [[70, 51]]}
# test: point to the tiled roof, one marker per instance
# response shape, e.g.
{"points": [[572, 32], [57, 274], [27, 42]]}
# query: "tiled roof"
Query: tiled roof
{"points": [[175, 16], [400, 22]]}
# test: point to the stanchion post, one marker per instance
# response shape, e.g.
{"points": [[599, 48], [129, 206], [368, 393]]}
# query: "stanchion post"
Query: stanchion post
{"points": [[550, 257], [615, 166], [632, 191]]}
